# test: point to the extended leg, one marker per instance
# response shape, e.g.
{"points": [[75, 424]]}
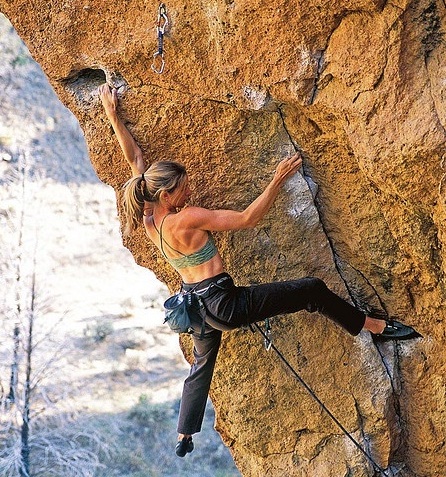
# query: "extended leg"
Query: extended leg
{"points": [[313, 295], [309, 294]]}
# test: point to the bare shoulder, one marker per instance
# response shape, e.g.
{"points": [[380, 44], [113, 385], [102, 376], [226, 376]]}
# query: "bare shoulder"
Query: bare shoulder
{"points": [[192, 212], [193, 217]]}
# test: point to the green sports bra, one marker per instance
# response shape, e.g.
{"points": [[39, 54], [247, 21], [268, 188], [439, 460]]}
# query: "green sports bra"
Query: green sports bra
{"points": [[208, 251]]}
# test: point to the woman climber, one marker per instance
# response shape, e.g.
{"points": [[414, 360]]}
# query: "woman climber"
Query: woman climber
{"points": [[156, 197]]}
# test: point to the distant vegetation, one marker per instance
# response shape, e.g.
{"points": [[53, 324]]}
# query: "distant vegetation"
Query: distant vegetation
{"points": [[78, 387]]}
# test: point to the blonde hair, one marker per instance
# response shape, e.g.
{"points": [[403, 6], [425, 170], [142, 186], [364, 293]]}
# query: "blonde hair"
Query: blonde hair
{"points": [[160, 176]]}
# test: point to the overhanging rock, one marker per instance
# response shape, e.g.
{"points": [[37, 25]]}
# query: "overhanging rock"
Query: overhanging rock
{"points": [[359, 87]]}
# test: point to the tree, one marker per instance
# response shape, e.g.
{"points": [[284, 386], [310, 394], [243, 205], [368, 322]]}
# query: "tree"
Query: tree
{"points": [[33, 442]]}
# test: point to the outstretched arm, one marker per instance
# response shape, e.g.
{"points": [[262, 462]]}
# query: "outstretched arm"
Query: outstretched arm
{"points": [[130, 148], [219, 220]]}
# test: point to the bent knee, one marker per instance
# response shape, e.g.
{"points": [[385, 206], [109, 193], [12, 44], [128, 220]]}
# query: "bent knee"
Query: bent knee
{"points": [[315, 284], [317, 292]]}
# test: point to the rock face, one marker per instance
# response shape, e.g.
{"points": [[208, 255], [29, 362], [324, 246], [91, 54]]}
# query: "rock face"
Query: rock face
{"points": [[359, 87]]}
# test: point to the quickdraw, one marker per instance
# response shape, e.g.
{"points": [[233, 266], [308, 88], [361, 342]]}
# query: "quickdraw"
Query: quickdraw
{"points": [[162, 23], [268, 336]]}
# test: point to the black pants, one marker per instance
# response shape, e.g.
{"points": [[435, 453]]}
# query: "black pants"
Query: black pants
{"points": [[230, 307]]}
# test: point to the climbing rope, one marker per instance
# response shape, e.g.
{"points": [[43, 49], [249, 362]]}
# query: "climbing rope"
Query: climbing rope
{"points": [[158, 56], [270, 345]]}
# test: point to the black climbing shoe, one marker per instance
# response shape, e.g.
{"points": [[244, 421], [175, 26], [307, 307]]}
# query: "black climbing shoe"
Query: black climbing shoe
{"points": [[184, 446], [395, 330]]}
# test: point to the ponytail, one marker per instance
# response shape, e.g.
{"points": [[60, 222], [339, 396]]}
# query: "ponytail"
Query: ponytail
{"points": [[160, 176]]}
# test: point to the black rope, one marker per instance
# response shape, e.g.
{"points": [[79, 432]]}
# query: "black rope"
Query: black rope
{"points": [[323, 406]]}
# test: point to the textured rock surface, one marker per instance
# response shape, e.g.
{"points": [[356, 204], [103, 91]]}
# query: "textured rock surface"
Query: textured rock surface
{"points": [[359, 86]]}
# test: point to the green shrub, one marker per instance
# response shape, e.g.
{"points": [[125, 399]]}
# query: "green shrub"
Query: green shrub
{"points": [[148, 415]]}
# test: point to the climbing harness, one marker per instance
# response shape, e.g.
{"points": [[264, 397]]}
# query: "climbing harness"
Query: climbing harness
{"points": [[267, 340], [162, 23]]}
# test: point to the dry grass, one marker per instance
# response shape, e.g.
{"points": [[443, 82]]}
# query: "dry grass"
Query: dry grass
{"points": [[118, 371], [120, 368]]}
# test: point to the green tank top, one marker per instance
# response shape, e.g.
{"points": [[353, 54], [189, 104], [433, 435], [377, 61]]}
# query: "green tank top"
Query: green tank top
{"points": [[203, 255]]}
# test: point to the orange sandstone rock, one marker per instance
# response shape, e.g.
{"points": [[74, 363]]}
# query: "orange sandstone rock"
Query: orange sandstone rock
{"points": [[359, 86]]}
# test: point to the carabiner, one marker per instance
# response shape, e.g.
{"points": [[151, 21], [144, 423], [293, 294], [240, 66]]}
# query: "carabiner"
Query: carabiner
{"points": [[268, 337], [154, 67], [163, 21]]}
